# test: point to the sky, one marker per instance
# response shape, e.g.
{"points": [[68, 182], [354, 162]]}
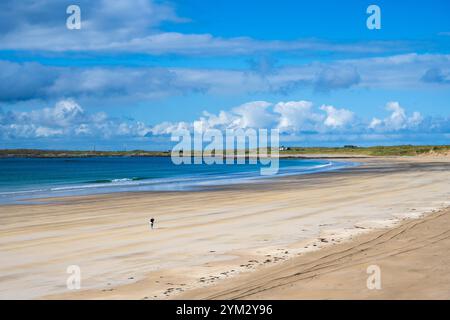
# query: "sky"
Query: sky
{"points": [[138, 70]]}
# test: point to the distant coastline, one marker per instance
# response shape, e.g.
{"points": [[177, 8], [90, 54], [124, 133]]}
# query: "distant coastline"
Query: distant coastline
{"points": [[37, 153], [400, 150]]}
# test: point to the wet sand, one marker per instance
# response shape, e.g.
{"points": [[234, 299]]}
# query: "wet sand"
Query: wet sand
{"points": [[206, 243]]}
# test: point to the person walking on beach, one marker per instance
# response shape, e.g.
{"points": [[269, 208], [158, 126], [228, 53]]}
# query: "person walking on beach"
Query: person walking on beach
{"points": [[152, 221]]}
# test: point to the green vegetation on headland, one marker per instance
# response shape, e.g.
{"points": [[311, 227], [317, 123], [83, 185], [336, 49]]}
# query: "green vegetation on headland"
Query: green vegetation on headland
{"points": [[404, 150]]}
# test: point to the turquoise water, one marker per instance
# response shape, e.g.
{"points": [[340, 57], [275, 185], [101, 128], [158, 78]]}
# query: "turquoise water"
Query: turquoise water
{"points": [[22, 178]]}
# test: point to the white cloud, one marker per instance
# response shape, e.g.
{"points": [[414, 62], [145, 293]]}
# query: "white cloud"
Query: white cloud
{"points": [[297, 116], [416, 119], [44, 132], [253, 114], [296, 120], [397, 120], [35, 81], [337, 118], [67, 119], [166, 128], [375, 123], [289, 117], [135, 26]]}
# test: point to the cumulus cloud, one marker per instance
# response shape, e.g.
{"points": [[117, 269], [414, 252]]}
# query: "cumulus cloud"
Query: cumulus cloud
{"points": [[297, 121], [65, 119], [397, 120], [296, 116], [166, 128], [290, 117], [253, 114], [337, 118]]}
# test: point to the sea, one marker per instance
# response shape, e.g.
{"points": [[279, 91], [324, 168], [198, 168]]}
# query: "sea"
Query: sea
{"points": [[24, 179]]}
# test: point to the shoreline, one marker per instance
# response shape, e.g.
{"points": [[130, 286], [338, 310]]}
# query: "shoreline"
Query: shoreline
{"points": [[175, 183], [208, 236]]}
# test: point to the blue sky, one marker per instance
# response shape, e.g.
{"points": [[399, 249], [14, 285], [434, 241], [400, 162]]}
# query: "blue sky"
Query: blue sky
{"points": [[139, 69]]}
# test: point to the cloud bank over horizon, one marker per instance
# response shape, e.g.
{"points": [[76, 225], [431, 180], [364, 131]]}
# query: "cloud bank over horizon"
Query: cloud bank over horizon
{"points": [[296, 121]]}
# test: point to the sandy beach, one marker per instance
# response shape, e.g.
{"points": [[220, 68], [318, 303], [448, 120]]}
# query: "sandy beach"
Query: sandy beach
{"points": [[412, 258], [296, 237]]}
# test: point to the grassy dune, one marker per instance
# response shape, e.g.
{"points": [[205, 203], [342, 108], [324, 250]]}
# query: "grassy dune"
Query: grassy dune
{"points": [[404, 150]]}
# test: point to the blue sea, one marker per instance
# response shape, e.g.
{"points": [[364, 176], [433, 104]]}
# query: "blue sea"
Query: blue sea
{"points": [[32, 178]]}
